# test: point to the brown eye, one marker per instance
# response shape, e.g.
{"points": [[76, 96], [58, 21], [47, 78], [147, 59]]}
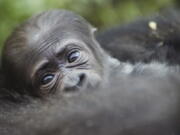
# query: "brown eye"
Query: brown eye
{"points": [[73, 56], [47, 79]]}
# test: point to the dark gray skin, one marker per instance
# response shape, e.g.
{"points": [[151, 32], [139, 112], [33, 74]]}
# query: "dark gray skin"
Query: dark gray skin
{"points": [[54, 51], [138, 41]]}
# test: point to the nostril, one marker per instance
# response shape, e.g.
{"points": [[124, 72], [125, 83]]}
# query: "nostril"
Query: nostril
{"points": [[81, 79]]}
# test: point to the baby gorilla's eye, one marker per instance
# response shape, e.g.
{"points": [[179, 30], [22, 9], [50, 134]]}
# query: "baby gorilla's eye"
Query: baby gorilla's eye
{"points": [[47, 79], [73, 56]]}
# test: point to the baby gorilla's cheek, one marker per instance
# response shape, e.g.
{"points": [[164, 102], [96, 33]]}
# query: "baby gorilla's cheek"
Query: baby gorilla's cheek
{"points": [[94, 79]]}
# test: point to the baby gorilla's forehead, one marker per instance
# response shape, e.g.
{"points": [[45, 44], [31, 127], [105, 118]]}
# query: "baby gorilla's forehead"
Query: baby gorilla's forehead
{"points": [[55, 24], [56, 37]]}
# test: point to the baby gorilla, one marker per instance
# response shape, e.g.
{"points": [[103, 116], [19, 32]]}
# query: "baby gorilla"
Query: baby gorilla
{"points": [[54, 50]]}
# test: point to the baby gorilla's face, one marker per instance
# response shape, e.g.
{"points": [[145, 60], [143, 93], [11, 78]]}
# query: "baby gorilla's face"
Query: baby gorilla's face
{"points": [[64, 66], [54, 51]]}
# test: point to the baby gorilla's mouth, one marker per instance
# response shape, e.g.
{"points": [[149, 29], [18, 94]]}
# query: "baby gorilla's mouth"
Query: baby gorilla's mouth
{"points": [[80, 83]]}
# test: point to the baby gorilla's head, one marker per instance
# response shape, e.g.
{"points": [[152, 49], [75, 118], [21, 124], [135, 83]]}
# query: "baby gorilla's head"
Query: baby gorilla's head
{"points": [[54, 51]]}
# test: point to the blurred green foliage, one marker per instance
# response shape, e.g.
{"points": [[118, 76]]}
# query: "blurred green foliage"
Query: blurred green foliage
{"points": [[101, 13]]}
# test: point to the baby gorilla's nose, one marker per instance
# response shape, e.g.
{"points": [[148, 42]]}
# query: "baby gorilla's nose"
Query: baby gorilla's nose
{"points": [[81, 79], [74, 82]]}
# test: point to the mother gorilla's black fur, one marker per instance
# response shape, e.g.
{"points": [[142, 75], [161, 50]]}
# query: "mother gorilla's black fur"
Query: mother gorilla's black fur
{"points": [[154, 38]]}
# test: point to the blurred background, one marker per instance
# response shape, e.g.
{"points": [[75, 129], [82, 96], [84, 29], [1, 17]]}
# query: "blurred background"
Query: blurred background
{"points": [[100, 13]]}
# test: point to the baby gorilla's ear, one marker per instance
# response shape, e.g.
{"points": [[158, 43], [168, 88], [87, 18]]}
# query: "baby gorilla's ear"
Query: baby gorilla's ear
{"points": [[93, 30]]}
